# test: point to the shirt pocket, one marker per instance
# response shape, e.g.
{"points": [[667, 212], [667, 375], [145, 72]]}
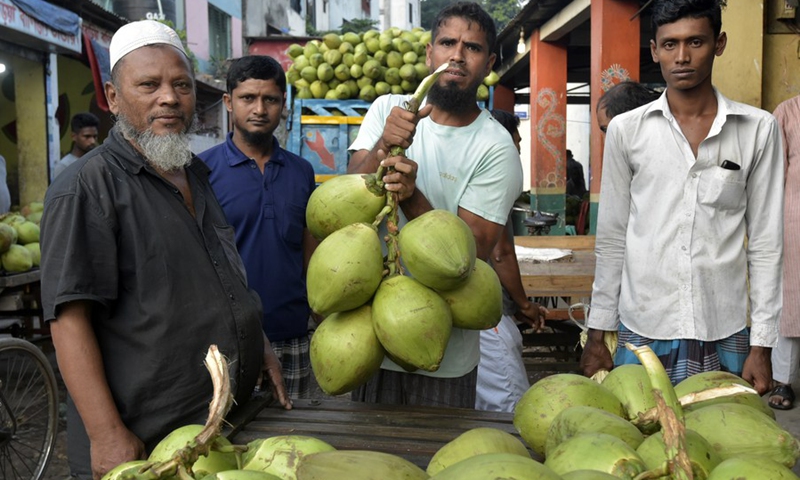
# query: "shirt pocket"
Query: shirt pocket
{"points": [[724, 189], [293, 224], [228, 241]]}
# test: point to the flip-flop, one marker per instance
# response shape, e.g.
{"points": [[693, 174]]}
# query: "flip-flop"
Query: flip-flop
{"points": [[786, 393]]}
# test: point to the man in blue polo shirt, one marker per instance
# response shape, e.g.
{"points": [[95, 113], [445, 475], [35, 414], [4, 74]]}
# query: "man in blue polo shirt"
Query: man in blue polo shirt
{"points": [[263, 190]]}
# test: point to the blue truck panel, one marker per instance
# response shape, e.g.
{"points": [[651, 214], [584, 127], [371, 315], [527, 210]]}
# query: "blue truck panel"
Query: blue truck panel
{"points": [[321, 130]]}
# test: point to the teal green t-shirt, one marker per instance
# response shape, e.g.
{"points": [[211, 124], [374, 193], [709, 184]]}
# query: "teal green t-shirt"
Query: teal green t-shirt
{"points": [[477, 168]]}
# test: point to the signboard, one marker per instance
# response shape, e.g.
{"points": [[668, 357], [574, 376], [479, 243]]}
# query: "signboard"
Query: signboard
{"points": [[15, 19]]}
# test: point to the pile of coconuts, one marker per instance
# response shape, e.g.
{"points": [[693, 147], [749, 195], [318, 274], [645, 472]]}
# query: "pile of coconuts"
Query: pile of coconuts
{"points": [[364, 65], [636, 425], [632, 426], [19, 238], [402, 306]]}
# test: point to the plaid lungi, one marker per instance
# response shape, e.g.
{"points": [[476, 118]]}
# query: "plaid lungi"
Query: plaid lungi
{"points": [[295, 365], [683, 358], [401, 388]]}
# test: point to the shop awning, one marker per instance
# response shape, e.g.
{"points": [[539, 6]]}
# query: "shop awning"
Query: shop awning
{"points": [[57, 18]]}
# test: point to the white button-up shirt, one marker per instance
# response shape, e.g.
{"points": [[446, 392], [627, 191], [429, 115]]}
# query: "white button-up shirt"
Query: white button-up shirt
{"points": [[672, 259]]}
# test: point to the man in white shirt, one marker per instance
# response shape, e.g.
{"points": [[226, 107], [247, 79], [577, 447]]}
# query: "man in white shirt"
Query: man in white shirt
{"points": [[461, 160], [691, 209]]}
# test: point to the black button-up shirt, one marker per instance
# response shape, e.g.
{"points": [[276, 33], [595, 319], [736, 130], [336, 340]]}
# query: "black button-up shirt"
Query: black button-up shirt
{"points": [[165, 285]]}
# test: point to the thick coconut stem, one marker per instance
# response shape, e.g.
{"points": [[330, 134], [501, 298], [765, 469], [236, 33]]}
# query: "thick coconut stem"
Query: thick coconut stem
{"points": [[650, 417], [670, 413], [412, 105], [393, 246], [221, 403], [381, 215]]}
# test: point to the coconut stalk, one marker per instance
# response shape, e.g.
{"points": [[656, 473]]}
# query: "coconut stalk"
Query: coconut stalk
{"points": [[202, 444], [651, 416], [670, 415], [391, 211], [412, 105]]}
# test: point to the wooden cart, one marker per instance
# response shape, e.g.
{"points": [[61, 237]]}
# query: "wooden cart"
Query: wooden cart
{"points": [[413, 433], [20, 306]]}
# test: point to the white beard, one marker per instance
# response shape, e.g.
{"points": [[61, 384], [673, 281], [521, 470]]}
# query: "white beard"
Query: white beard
{"points": [[167, 153]]}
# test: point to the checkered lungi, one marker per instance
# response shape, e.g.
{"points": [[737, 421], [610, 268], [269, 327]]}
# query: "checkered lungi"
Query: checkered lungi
{"points": [[401, 388], [683, 358], [296, 365]]}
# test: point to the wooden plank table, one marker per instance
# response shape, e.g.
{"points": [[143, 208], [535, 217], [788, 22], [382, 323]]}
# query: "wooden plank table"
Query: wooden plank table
{"points": [[560, 279], [414, 433], [563, 279]]}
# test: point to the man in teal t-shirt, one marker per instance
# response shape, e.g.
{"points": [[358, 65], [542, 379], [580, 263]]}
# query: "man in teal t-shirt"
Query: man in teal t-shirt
{"points": [[461, 160]]}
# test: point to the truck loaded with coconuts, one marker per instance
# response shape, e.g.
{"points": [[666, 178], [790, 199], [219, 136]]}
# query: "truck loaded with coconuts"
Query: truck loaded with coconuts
{"points": [[332, 82]]}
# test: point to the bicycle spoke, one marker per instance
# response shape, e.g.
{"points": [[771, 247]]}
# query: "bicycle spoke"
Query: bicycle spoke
{"points": [[6, 455], [29, 411]]}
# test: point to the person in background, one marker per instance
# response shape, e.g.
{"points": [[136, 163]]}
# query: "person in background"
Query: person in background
{"points": [[139, 270], [621, 98], [576, 185], [685, 180], [461, 160], [84, 139], [502, 377], [263, 190], [5, 195], [786, 356]]}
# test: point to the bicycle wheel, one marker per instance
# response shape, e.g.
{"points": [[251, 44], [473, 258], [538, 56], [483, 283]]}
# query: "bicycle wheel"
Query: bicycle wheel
{"points": [[28, 410]]}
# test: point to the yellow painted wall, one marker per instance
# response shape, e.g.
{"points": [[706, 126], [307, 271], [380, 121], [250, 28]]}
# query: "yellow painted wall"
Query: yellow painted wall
{"points": [[76, 94], [782, 61], [27, 177], [781, 56], [738, 72]]}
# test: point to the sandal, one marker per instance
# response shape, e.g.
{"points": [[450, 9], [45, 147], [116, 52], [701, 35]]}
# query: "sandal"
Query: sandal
{"points": [[785, 392]]}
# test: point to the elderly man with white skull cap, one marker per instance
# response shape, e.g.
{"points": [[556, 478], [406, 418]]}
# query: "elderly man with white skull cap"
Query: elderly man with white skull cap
{"points": [[140, 272]]}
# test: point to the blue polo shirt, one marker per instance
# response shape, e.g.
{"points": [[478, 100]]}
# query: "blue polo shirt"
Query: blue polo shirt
{"points": [[268, 214]]}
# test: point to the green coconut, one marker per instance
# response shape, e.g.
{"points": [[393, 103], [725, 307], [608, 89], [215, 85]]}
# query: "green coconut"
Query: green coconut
{"points": [[548, 397], [751, 467], [214, 462], [281, 455], [358, 465], [36, 254], [35, 217], [497, 466], [345, 269], [734, 430], [631, 385], [8, 237], [240, 475], [412, 322], [341, 201], [12, 219], [27, 232], [583, 419], [345, 352], [476, 441], [587, 475], [17, 259], [702, 455], [478, 303], [438, 249], [596, 451], [125, 471], [706, 380]]}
